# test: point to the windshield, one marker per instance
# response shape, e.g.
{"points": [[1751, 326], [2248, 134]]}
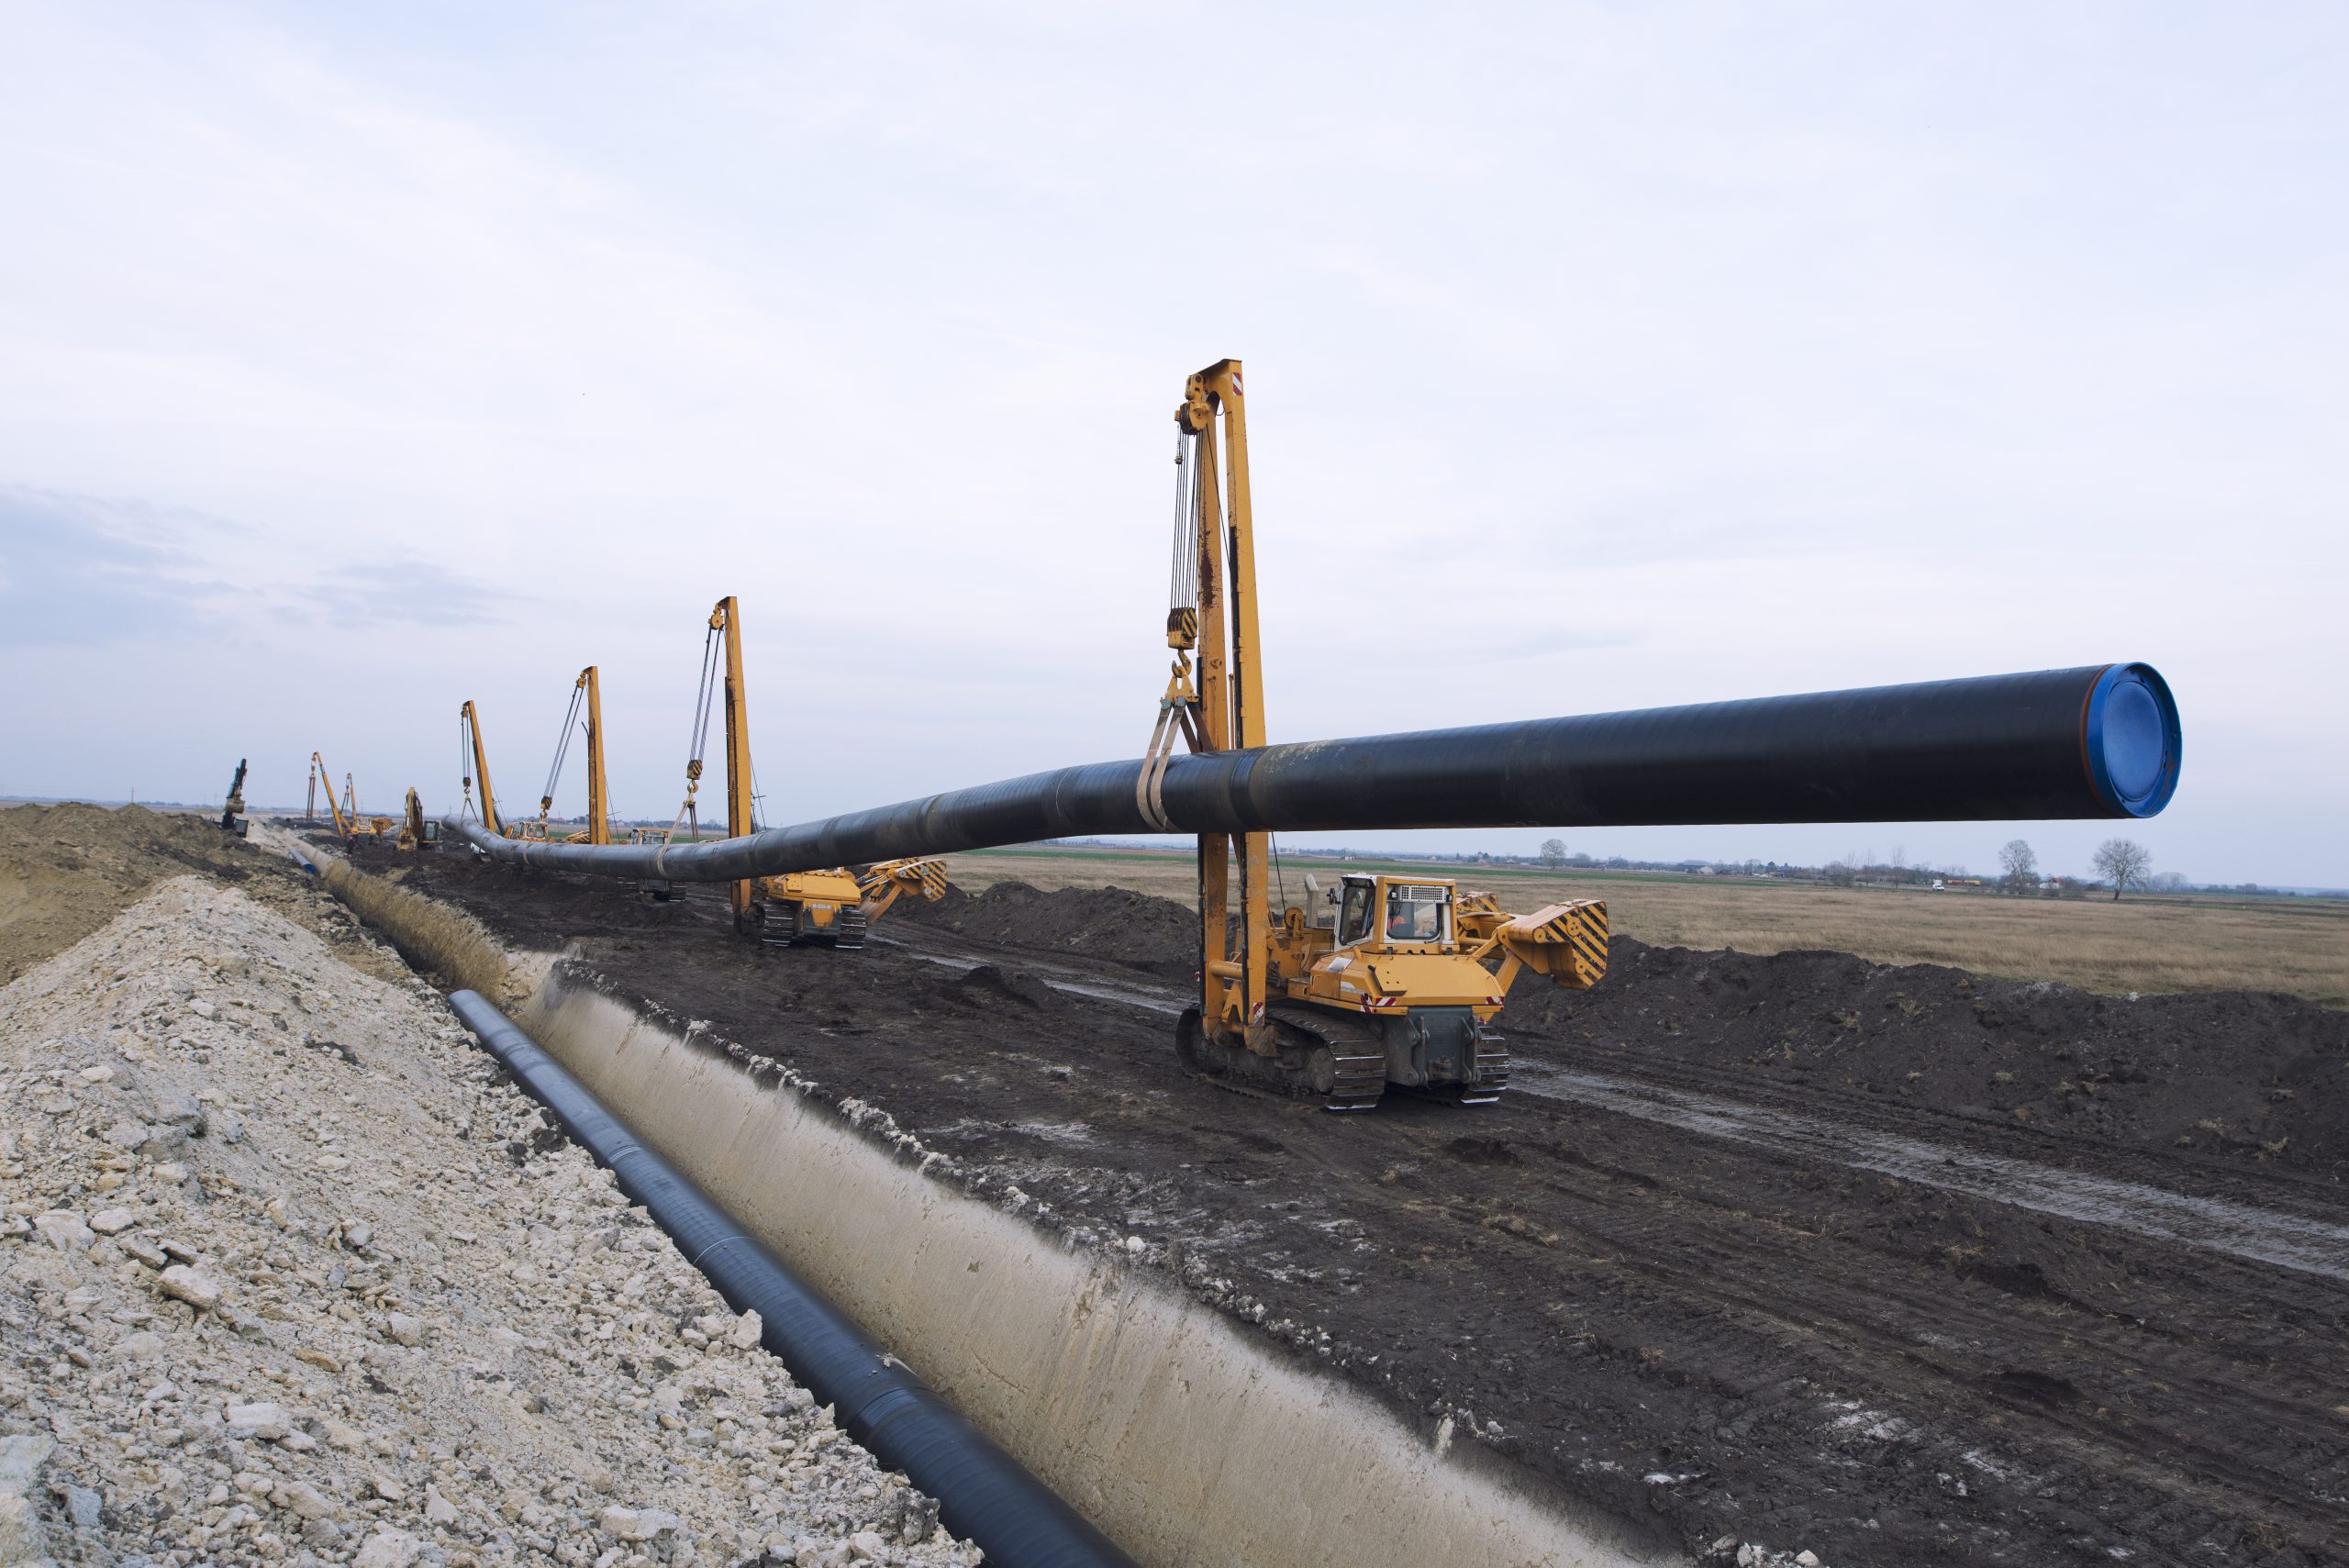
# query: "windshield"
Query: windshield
{"points": [[1418, 914], [1353, 921]]}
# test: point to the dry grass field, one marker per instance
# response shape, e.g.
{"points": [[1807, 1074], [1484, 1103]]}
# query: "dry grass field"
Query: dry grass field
{"points": [[2299, 946]]}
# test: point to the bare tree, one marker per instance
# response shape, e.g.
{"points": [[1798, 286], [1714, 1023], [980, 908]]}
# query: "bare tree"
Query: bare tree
{"points": [[2122, 861], [1553, 852], [2021, 865]]}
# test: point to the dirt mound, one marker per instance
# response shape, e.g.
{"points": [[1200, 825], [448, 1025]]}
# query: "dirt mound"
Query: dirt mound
{"points": [[65, 871], [987, 981], [1112, 925], [2243, 1073]]}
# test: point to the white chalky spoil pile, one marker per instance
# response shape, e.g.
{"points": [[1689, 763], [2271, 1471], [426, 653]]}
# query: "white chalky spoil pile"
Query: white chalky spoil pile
{"points": [[291, 1274]]}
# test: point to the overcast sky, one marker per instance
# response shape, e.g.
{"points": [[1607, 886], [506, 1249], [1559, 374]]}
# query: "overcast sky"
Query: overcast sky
{"points": [[357, 360]]}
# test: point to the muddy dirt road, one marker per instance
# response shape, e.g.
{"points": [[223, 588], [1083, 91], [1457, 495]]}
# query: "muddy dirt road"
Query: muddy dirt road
{"points": [[1810, 1301]]}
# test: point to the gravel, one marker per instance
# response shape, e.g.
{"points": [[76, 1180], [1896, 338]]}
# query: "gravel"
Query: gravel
{"points": [[290, 1273]]}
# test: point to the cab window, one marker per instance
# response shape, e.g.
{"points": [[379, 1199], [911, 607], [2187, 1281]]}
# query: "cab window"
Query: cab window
{"points": [[1353, 918], [1416, 914]]}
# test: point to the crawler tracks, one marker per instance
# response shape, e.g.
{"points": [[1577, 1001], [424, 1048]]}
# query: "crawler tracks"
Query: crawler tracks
{"points": [[1741, 1325]]}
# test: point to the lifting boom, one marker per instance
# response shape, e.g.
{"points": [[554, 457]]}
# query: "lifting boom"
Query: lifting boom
{"points": [[343, 826], [474, 757], [588, 698]]}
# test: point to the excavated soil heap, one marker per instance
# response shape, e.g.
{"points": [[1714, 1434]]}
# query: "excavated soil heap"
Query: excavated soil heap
{"points": [[2245, 1075], [1111, 925], [65, 871]]}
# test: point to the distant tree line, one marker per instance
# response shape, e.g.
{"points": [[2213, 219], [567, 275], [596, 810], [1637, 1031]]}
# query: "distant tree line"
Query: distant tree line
{"points": [[2121, 866]]}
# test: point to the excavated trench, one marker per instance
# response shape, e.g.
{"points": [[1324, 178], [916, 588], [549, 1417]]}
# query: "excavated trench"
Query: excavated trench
{"points": [[1152, 1414], [1894, 1264]]}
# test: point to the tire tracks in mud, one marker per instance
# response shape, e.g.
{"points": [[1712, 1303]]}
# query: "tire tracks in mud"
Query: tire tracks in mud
{"points": [[1990, 1351], [1656, 1091], [2122, 1399]]}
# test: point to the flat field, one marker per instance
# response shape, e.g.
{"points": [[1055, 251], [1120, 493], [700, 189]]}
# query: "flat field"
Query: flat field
{"points": [[2297, 946]]}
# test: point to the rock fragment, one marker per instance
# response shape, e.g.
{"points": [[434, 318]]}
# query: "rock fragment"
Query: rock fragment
{"points": [[637, 1524], [196, 1288], [387, 1549], [22, 1540], [64, 1229], [267, 1422]]}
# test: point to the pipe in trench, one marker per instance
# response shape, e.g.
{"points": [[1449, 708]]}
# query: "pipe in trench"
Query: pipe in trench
{"points": [[2103, 740], [983, 1493]]}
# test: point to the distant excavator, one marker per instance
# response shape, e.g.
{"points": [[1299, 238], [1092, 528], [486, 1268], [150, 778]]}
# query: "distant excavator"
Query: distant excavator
{"points": [[232, 816], [415, 831], [832, 907], [1383, 980]]}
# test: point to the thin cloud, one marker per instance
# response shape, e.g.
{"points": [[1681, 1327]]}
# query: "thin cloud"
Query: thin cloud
{"points": [[410, 593], [82, 571]]}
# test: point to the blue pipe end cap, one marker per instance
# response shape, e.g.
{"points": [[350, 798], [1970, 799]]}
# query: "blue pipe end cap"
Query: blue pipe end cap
{"points": [[2132, 739]]}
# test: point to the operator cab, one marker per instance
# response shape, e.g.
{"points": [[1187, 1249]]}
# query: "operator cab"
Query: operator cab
{"points": [[1395, 914]]}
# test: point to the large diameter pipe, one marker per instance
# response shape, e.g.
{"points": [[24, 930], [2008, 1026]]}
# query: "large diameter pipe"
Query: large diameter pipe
{"points": [[2102, 740], [983, 1493]]}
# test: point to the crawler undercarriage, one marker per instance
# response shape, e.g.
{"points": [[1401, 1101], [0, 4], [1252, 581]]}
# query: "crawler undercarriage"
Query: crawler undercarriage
{"points": [[1347, 1062]]}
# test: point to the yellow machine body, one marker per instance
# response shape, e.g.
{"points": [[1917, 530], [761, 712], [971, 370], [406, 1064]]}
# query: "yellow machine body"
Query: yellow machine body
{"points": [[1389, 944], [819, 896]]}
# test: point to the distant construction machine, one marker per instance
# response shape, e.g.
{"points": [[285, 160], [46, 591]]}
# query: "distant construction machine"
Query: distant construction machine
{"points": [[473, 762], [1386, 978], [232, 816], [832, 906], [587, 694], [347, 823]]}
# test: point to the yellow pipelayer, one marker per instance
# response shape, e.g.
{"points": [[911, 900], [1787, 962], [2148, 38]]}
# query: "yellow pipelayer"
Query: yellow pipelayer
{"points": [[1383, 979], [830, 907]]}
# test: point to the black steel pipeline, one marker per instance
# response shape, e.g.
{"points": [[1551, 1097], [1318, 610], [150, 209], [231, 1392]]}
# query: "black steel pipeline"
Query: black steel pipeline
{"points": [[2102, 740], [983, 1493]]}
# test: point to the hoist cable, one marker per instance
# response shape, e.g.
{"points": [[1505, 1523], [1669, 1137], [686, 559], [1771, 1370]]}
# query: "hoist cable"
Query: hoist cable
{"points": [[563, 743], [465, 761], [700, 736], [1183, 578]]}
